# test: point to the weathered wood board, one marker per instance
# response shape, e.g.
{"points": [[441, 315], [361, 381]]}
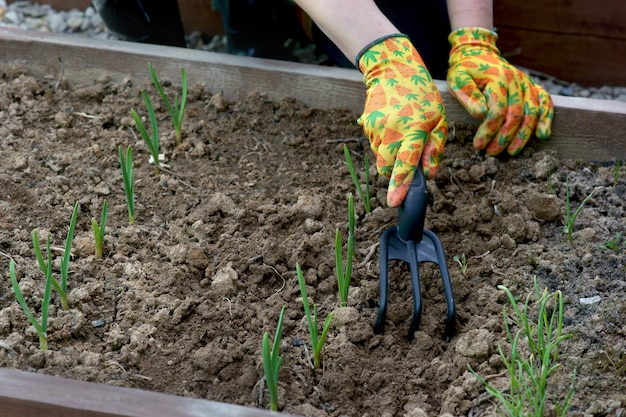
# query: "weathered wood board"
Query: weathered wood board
{"points": [[574, 40], [24, 394], [587, 129]]}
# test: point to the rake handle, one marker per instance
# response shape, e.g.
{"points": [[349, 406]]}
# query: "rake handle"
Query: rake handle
{"points": [[412, 211]]}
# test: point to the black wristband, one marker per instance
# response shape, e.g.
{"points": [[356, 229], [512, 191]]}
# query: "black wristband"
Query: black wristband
{"points": [[369, 45]]}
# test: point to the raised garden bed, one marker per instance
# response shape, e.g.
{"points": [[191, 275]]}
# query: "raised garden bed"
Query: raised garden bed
{"points": [[181, 299]]}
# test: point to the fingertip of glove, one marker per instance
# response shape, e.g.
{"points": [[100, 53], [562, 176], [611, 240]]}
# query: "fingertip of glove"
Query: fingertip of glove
{"points": [[544, 129], [543, 133], [494, 151], [431, 172], [396, 196], [480, 142]]}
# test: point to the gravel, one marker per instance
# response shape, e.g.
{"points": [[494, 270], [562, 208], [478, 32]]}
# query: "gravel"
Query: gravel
{"points": [[34, 16]]}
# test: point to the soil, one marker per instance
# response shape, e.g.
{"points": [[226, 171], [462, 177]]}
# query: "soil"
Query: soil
{"points": [[181, 299]]}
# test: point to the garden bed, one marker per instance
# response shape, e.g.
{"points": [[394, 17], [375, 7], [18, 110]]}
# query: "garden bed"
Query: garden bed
{"points": [[181, 299]]}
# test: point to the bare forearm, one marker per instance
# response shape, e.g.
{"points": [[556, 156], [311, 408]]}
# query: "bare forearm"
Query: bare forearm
{"points": [[470, 13], [350, 24]]}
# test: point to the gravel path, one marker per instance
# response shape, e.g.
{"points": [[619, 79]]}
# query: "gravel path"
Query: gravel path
{"points": [[34, 16]]}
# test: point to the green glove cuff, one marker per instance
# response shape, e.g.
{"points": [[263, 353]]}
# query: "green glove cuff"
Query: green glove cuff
{"points": [[476, 36], [376, 42]]}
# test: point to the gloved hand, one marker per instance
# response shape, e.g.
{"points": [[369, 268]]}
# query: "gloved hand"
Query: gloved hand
{"points": [[511, 105], [404, 117]]}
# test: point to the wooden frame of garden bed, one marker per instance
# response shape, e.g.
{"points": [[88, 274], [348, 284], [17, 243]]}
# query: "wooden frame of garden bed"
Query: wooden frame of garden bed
{"points": [[25, 394], [586, 129]]}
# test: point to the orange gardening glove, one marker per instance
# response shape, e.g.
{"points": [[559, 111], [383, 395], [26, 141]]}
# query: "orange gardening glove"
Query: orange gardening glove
{"points": [[510, 104], [404, 118]]}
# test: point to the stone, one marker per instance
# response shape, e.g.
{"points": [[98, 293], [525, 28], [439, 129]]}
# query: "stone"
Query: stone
{"points": [[544, 207]]}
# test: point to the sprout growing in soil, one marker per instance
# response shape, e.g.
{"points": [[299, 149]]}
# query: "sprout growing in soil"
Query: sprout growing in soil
{"points": [[272, 361], [151, 142], [528, 394], [126, 163], [316, 342], [344, 274], [65, 261], [613, 244], [462, 261], [570, 218], [176, 109], [41, 328], [365, 195], [98, 230], [550, 186], [617, 169], [46, 268]]}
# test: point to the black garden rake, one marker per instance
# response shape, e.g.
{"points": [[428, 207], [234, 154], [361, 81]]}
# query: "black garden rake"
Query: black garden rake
{"points": [[411, 243]]}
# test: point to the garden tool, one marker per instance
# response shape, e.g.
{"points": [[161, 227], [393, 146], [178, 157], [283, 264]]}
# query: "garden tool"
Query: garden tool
{"points": [[410, 242]]}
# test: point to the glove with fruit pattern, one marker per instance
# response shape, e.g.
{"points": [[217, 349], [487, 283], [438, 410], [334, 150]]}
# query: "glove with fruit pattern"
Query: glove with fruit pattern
{"points": [[510, 104], [404, 118]]}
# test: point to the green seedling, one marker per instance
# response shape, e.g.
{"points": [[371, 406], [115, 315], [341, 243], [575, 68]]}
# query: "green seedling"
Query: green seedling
{"points": [[364, 194], [40, 327], [65, 260], [614, 244], [550, 185], [151, 142], [126, 163], [344, 274], [272, 361], [617, 169], [462, 261], [98, 230], [529, 393], [61, 288], [176, 109], [570, 218], [316, 341]]}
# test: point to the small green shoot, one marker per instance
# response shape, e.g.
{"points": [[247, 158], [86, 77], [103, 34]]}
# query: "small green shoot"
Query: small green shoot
{"points": [[364, 194], [272, 361], [40, 327], [176, 109], [550, 185], [529, 393], [462, 261], [570, 218], [61, 288], [614, 244], [617, 169], [344, 274], [151, 142], [65, 260], [98, 230], [126, 163], [316, 341]]}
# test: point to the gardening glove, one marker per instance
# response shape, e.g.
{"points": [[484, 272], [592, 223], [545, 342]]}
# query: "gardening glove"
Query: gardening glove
{"points": [[510, 104], [404, 118]]}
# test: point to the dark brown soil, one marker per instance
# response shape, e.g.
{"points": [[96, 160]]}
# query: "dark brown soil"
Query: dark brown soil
{"points": [[181, 299]]}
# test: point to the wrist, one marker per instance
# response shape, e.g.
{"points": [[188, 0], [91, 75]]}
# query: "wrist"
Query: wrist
{"points": [[470, 13], [393, 52], [375, 44]]}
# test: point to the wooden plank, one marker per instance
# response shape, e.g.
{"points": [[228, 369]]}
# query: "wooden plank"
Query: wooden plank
{"points": [[30, 394], [63, 4], [587, 60], [601, 18], [583, 128]]}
